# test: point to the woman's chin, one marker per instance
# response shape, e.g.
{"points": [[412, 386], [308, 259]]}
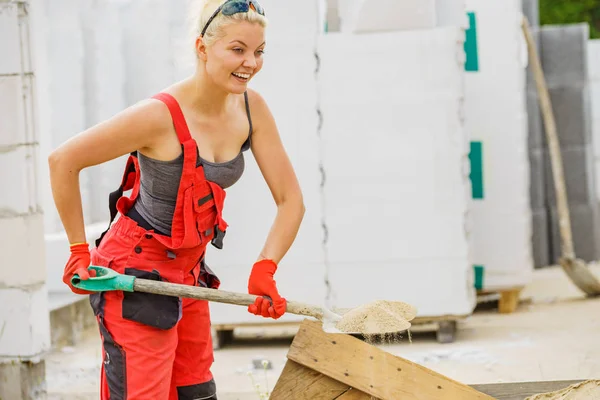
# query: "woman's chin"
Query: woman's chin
{"points": [[237, 89]]}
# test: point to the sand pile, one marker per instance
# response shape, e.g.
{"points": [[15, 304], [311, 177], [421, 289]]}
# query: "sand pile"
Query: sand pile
{"points": [[589, 390], [378, 317]]}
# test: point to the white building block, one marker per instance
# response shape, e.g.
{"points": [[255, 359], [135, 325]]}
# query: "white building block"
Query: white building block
{"points": [[17, 172], [16, 124], [105, 93], [396, 193], [22, 247], [14, 39], [63, 88], [43, 108], [435, 287], [148, 69], [495, 115], [451, 13], [360, 16], [24, 323], [10, 62]]}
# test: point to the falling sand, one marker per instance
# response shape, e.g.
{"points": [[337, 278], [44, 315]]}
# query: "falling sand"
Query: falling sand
{"points": [[378, 318], [589, 390]]}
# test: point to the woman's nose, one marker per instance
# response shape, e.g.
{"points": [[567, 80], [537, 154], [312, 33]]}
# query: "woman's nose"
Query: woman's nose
{"points": [[250, 62]]}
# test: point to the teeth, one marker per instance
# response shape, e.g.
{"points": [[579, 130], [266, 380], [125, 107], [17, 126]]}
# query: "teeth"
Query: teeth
{"points": [[240, 75]]}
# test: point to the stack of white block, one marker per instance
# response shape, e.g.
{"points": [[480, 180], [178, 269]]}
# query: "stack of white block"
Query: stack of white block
{"points": [[287, 82], [95, 59], [24, 320], [496, 116], [82, 82], [594, 76], [395, 156]]}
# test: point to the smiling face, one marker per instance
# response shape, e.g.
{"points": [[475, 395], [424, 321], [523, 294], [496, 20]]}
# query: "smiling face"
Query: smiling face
{"points": [[235, 57]]}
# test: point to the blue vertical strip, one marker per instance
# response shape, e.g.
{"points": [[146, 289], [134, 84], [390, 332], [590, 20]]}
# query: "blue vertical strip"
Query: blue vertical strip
{"points": [[476, 159], [472, 58]]}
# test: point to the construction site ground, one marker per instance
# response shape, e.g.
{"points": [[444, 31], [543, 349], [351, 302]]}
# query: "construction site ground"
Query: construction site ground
{"points": [[553, 335]]}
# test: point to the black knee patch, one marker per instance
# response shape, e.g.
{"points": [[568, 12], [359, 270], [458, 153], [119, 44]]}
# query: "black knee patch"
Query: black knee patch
{"points": [[201, 391]]}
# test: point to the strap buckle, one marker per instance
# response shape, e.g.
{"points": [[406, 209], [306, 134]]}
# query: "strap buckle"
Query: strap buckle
{"points": [[217, 239]]}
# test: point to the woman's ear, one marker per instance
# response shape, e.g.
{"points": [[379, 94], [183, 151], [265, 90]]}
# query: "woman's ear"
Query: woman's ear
{"points": [[200, 48]]}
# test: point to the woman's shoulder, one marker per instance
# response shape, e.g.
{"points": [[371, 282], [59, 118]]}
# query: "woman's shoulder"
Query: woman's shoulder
{"points": [[258, 105]]}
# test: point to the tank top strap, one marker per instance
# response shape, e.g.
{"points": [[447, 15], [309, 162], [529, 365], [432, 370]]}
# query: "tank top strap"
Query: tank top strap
{"points": [[183, 132]]}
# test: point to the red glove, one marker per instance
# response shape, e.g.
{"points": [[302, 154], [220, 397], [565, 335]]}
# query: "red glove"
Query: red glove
{"points": [[261, 283], [78, 264]]}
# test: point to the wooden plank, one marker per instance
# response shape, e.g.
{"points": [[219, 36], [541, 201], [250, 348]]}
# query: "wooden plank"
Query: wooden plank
{"points": [[355, 394], [521, 390], [372, 370], [299, 382]]}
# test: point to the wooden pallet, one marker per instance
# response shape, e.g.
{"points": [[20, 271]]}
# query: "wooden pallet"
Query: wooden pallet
{"points": [[506, 298], [445, 328], [327, 366]]}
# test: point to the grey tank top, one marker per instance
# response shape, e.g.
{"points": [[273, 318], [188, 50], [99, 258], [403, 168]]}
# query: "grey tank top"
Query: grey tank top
{"points": [[159, 182]]}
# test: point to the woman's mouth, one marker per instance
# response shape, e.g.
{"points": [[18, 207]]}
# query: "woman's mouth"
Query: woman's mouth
{"points": [[241, 76]]}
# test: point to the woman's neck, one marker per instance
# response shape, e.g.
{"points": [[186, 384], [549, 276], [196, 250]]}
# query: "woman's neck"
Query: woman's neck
{"points": [[204, 95]]}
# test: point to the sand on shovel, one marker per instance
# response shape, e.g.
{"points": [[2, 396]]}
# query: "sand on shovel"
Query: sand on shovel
{"points": [[378, 317]]}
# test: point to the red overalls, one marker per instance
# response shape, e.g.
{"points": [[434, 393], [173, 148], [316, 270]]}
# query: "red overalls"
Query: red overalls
{"points": [[159, 347]]}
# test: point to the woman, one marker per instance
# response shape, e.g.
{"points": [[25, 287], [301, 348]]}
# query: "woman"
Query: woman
{"points": [[186, 146]]}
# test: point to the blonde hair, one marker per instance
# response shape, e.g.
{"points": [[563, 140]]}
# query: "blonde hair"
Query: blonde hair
{"points": [[202, 10]]}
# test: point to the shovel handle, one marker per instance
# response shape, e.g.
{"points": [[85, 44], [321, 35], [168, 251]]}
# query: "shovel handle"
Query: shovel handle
{"points": [[217, 295], [107, 280]]}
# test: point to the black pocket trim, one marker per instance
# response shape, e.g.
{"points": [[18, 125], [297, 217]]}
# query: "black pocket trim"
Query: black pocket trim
{"points": [[114, 364], [202, 391], [156, 310], [205, 199]]}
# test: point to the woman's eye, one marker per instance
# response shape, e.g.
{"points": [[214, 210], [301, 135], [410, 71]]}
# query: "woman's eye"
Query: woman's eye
{"points": [[238, 50]]}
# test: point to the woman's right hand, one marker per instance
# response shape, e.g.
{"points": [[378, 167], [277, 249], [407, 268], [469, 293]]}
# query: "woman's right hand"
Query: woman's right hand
{"points": [[78, 263]]}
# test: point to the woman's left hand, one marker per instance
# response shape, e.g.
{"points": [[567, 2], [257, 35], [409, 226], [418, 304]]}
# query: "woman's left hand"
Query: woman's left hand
{"points": [[261, 283]]}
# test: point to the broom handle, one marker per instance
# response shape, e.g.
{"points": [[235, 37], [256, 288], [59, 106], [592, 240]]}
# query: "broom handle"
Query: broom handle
{"points": [[564, 220], [219, 296]]}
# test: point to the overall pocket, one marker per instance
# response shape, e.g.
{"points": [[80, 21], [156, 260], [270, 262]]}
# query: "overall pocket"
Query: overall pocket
{"points": [[156, 310], [208, 278]]}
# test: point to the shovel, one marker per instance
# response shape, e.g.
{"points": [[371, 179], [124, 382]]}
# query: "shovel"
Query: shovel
{"points": [[575, 268], [378, 318]]}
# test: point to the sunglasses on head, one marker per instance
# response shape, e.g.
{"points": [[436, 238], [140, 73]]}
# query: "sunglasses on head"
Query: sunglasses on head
{"points": [[231, 7]]}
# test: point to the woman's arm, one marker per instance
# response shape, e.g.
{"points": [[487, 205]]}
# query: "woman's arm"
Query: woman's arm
{"points": [[279, 175], [135, 128]]}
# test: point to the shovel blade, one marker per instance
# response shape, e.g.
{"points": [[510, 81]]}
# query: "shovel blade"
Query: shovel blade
{"points": [[581, 276]]}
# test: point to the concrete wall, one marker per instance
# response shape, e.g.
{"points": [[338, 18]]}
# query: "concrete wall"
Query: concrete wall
{"points": [[593, 50], [540, 216], [565, 62], [24, 317]]}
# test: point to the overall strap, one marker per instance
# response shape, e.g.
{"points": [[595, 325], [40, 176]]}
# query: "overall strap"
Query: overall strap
{"points": [[183, 133], [180, 227]]}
